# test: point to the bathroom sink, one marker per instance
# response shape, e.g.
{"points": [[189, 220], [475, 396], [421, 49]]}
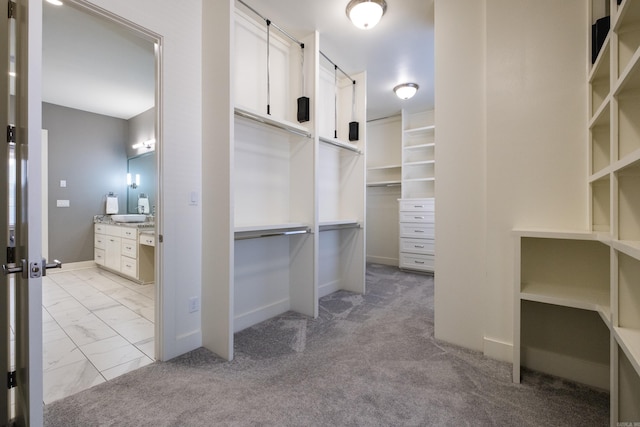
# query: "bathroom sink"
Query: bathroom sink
{"points": [[129, 218]]}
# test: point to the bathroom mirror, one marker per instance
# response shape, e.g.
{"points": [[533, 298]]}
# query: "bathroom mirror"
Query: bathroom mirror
{"points": [[142, 170]]}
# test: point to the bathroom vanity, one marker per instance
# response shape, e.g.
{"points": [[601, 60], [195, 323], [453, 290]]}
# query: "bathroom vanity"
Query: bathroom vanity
{"points": [[127, 249]]}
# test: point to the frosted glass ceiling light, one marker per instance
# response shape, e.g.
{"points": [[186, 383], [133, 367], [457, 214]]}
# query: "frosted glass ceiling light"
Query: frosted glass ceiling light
{"points": [[365, 14], [55, 2], [406, 90]]}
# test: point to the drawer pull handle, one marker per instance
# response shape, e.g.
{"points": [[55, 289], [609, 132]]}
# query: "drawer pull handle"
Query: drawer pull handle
{"points": [[419, 246], [418, 206], [419, 262], [418, 231], [418, 217]]}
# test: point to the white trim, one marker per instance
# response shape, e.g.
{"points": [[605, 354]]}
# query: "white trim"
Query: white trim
{"points": [[498, 349]]}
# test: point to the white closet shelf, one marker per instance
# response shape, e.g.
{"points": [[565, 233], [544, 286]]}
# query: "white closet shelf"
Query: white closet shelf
{"points": [[569, 296], [270, 230], [600, 69], [375, 168], [395, 183], [271, 121], [339, 224], [601, 116], [629, 340], [422, 162], [631, 159], [629, 77], [419, 179], [341, 144], [422, 129], [628, 247], [419, 146], [545, 233], [602, 173], [627, 15]]}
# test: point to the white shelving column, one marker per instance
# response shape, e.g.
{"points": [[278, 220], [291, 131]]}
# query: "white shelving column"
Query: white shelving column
{"points": [[417, 205], [341, 182], [593, 293]]}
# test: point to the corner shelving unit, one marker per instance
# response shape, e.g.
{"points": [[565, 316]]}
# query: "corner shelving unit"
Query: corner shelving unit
{"points": [[417, 204], [588, 281]]}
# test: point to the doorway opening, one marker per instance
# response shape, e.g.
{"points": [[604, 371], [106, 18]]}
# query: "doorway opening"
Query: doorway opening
{"points": [[100, 112]]}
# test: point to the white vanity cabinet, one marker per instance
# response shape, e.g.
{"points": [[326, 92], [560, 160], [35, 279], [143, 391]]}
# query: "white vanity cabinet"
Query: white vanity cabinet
{"points": [[118, 248]]}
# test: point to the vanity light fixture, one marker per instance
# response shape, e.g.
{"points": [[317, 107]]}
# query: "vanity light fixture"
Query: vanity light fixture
{"points": [[365, 14], [406, 90], [145, 144], [131, 183]]}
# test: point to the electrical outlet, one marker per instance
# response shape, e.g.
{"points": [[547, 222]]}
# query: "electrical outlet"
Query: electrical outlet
{"points": [[194, 304]]}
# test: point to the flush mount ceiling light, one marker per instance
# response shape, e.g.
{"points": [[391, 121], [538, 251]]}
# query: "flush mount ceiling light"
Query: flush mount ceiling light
{"points": [[55, 2], [365, 14], [406, 90]]}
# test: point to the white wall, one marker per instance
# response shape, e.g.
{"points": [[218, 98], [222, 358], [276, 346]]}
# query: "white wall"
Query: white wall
{"points": [[517, 82], [181, 145]]}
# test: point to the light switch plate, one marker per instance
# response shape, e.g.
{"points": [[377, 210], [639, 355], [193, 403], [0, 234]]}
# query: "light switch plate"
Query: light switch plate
{"points": [[62, 203]]}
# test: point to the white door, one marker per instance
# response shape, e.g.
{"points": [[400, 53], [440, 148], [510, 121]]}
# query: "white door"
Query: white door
{"points": [[20, 49]]}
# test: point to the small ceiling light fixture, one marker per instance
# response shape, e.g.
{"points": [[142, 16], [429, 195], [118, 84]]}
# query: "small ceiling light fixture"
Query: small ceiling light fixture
{"points": [[365, 14], [406, 90], [55, 2]]}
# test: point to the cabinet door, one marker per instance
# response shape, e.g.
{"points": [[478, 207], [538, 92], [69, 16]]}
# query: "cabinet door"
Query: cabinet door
{"points": [[113, 250]]}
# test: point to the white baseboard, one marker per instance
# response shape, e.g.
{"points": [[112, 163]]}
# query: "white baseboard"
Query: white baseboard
{"points": [[497, 349], [328, 288], [394, 262], [70, 266], [260, 314], [579, 370]]}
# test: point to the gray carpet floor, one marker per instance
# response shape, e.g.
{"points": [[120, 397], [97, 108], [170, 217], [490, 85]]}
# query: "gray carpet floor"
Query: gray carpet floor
{"points": [[366, 360]]}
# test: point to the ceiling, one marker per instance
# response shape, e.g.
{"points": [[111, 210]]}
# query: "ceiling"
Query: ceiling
{"points": [[93, 65]]}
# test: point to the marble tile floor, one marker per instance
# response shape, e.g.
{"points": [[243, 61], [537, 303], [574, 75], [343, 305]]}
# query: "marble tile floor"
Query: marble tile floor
{"points": [[96, 326]]}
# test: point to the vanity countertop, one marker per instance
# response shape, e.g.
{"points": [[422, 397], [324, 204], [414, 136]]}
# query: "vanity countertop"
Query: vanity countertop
{"points": [[106, 219]]}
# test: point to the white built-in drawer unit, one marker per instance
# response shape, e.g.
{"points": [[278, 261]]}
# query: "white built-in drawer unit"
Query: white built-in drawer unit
{"points": [[125, 250], [417, 234]]}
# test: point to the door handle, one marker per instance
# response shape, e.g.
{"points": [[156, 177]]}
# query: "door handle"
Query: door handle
{"points": [[16, 268], [46, 266]]}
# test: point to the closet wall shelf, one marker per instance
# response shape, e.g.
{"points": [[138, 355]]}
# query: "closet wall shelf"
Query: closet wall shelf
{"points": [[270, 121], [570, 296], [631, 159], [628, 247], [419, 180], [259, 231], [556, 234], [601, 66], [415, 147], [375, 168], [423, 162], [629, 77], [602, 173], [341, 144], [601, 115], [384, 184], [420, 129], [629, 340], [338, 225], [626, 16]]}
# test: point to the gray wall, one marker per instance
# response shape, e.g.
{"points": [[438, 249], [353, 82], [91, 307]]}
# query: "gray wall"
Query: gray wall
{"points": [[89, 152]]}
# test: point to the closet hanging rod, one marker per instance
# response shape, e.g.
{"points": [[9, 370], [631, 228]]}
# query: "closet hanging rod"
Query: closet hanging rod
{"points": [[269, 233], [273, 123], [331, 227], [337, 67], [388, 184], [270, 22]]}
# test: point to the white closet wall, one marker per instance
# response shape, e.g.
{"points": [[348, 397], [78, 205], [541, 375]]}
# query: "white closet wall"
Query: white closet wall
{"points": [[384, 158]]}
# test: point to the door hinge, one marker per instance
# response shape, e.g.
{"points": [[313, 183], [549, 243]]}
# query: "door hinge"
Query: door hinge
{"points": [[11, 379], [160, 238], [11, 10], [11, 133], [11, 254]]}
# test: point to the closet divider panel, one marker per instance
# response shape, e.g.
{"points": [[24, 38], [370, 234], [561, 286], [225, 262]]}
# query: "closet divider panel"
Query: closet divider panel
{"points": [[274, 179]]}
